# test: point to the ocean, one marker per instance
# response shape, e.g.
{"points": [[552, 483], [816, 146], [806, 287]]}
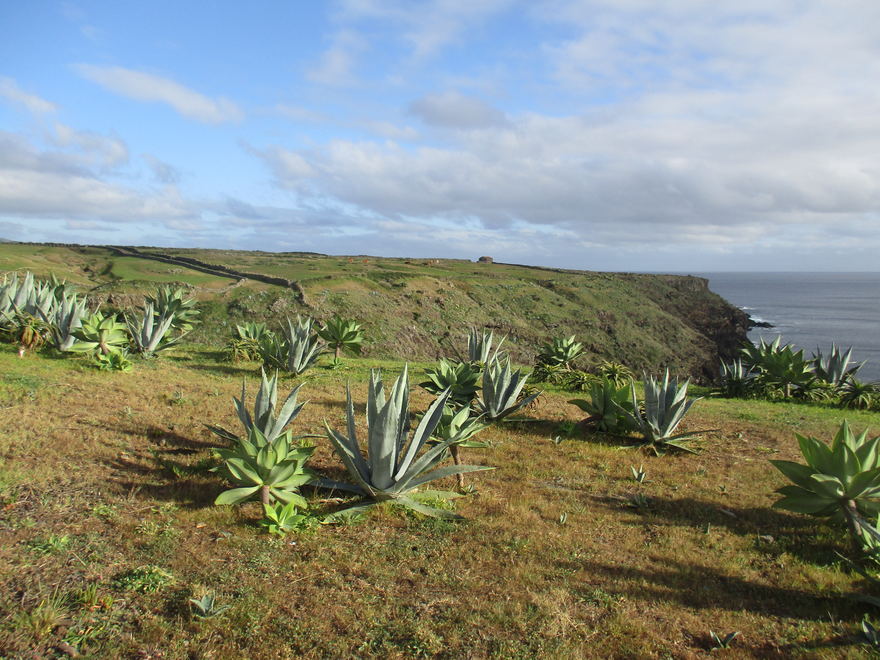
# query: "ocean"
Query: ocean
{"points": [[811, 309]]}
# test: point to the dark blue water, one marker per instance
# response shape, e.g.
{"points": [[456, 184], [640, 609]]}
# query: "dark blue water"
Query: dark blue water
{"points": [[811, 309]]}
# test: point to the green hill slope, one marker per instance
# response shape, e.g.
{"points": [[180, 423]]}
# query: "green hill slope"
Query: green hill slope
{"points": [[411, 308]]}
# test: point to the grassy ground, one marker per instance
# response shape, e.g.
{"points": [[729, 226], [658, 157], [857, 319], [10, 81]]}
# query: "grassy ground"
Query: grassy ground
{"points": [[107, 528]]}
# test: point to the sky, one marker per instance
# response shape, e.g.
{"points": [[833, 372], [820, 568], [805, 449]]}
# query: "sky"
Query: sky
{"points": [[682, 135]]}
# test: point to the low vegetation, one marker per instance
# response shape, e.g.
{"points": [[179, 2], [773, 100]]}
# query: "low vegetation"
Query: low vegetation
{"points": [[112, 545]]}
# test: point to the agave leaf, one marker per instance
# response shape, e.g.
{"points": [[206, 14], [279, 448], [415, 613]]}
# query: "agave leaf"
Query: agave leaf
{"points": [[828, 485], [236, 495], [863, 483], [426, 426], [424, 509], [281, 472], [241, 470], [446, 471], [289, 497], [349, 455], [799, 474], [332, 484], [296, 480], [816, 453]]}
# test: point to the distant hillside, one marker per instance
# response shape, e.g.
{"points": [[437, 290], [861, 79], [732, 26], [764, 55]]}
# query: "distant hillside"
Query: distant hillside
{"points": [[418, 308]]}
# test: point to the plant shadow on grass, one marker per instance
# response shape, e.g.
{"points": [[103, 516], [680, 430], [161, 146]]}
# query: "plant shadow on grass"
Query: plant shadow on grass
{"points": [[703, 587], [796, 535], [157, 471]]}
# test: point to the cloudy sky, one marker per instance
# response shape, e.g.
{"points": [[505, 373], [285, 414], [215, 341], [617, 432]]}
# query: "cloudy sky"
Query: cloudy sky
{"points": [[682, 135]]}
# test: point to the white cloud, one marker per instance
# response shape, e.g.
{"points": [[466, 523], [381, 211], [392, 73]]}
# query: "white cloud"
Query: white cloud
{"points": [[10, 90], [162, 171], [455, 110], [102, 150], [51, 184], [338, 61], [426, 26], [149, 87]]}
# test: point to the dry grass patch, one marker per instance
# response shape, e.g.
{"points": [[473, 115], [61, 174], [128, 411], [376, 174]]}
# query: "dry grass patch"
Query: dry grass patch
{"points": [[107, 529]]}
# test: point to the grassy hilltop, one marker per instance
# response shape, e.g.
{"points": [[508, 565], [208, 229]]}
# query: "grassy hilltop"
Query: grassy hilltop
{"points": [[413, 308]]}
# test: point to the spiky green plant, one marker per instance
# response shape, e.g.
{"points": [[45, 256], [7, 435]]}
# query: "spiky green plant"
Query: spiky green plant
{"points": [[858, 394], [560, 351], [170, 302], [246, 340], [500, 394], [64, 320], [460, 378], [282, 519], [554, 374], [836, 367], [737, 380], [479, 347], [293, 352], [840, 481], [265, 419], [616, 372], [580, 381], [100, 334], [778, 365], [393, 467], [150, 332], [115, 361], [607, 406], [265, 462], [663, 409], [207, 607], [340, 333], [457, 426]]}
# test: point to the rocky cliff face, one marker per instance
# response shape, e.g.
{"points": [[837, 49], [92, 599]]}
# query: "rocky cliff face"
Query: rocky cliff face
{"points": [[724, 326]]}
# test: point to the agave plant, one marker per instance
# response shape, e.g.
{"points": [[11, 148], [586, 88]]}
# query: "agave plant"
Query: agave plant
{"points": [[857, 394], [265, 462], [281, 519], [836, 367], [460, 378], [65, 318], [737, 379], [840, 481], [295, 352], [457, 427], [100, 334], [580, 381], [246, 341], [617, 373], [393, 467], [665, 406], [560, 351], [117, 361], [150, 331], [607, 406], [554, 374], [265, 419], [479, 347], [341, 334], [778, 365], [170, 303], [500, 395]]}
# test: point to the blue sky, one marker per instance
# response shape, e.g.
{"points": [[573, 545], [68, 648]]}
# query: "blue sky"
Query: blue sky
{"points": [[621, 135]]}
